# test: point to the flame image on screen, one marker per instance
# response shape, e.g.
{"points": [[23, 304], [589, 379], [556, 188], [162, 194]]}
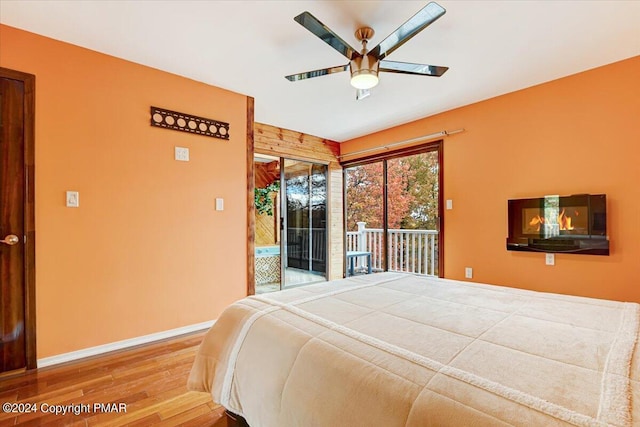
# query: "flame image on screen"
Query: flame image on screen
{"points": [[566, 220]]}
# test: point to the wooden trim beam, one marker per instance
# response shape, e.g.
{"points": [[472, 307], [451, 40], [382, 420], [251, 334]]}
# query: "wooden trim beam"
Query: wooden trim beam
{"points": [[294, 145], [251, 207]]}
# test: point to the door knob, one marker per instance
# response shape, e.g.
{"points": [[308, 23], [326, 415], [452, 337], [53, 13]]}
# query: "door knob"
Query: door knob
{"points": [[11, 239]]}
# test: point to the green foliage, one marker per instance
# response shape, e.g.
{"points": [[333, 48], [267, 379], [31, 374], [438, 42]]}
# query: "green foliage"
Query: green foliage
{"points": [[264, 199]]}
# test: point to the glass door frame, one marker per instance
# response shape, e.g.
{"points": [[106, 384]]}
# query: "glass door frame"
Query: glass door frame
{"points": [[284, 238], [436, 146]]}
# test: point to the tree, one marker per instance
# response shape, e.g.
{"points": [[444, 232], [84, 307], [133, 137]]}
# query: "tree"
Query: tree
{"points": [[424, 188], [412, 184], [364, 194], [400, 194]]}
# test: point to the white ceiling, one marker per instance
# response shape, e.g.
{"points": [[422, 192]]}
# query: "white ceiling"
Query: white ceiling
{"points": [[491, 47]]}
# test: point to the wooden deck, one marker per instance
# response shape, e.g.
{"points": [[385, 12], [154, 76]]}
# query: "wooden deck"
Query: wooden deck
{"points": [[148, 381]]}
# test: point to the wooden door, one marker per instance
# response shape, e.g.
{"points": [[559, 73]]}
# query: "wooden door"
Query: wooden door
{"points": [[17, 235]]}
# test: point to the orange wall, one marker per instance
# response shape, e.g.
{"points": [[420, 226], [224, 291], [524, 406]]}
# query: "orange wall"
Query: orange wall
{"points": [[145, 251], [579, 134]]}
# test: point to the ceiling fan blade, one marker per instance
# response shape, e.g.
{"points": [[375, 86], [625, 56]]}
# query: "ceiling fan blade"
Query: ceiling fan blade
{"points": [[316, 73], [312, 24], [418, 22], [410, 68]]}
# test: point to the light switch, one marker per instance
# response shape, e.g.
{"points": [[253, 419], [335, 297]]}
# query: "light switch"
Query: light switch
{"points": [[73, 199], [550, 259], [449, 204], [219, 204], [182, 154]]}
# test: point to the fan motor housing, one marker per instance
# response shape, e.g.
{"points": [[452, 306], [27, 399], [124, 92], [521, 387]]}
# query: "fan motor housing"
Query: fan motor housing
{"points": [[364, 68]]}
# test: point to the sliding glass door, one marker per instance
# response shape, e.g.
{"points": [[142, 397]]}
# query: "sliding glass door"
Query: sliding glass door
{"points": [[365, 220], [393, 211], [303, 222], [413, 216]]}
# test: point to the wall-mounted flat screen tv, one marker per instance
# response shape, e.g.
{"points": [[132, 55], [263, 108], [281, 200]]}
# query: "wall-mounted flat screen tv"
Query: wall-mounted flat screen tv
{"points": [[559, 224]]}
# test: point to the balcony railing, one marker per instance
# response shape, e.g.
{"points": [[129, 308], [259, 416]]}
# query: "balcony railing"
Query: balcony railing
{"points": [[411, 251]]}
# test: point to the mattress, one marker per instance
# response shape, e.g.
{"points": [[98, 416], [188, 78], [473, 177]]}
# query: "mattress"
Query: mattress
{"points": [[395, 349]]}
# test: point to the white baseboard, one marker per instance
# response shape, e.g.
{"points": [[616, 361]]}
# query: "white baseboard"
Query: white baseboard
{"points": [[119, 345]]}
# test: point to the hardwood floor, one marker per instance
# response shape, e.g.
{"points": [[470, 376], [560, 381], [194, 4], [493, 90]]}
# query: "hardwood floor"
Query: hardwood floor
{"points": [[149, 382]]}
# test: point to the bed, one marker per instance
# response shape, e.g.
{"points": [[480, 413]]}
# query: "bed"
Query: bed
{"points": [[395, 349]]}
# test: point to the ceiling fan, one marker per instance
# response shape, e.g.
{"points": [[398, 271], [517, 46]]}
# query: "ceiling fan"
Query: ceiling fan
{"points": [[366, 64]]}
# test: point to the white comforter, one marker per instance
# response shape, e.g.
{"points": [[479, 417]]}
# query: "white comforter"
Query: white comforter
{"points": [[400, 350]]}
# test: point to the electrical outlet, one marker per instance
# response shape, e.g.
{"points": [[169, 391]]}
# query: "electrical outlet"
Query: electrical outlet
{"points": [[182, 154], [73, 199], [468, 272], [550, 259], [219, 204]]}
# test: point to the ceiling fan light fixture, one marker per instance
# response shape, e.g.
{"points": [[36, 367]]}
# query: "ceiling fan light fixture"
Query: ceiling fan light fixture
{"points": [[364, 80], [364, 72]]}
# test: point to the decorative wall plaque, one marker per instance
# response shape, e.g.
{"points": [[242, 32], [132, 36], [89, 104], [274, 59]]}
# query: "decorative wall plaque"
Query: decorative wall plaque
{"points": [[168, 119]]}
